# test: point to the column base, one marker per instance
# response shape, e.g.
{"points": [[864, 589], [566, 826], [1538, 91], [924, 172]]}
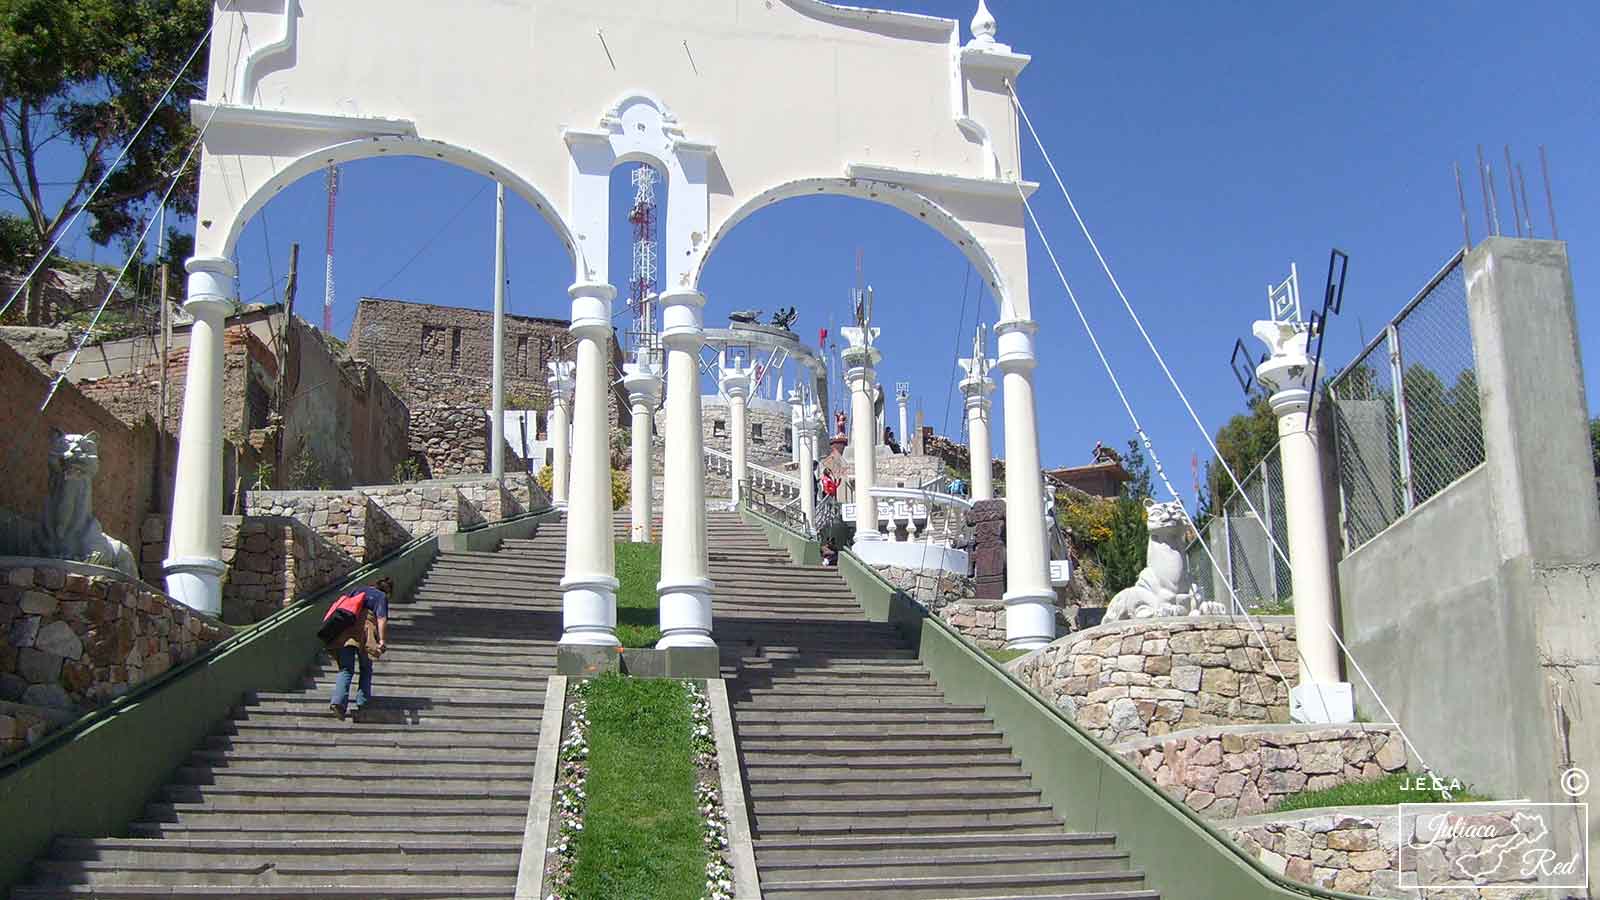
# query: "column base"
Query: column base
{"points": [[1322, 703], [196, 582], [685, 614], [1030, 619], [589, 611]]}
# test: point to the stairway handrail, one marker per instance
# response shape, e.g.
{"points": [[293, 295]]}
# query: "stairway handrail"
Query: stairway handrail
{"points": [[931, 497], [789, 481]]}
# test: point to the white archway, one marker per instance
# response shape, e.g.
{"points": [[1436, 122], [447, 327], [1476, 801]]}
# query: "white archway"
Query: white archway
{"points": [[767, 101]]}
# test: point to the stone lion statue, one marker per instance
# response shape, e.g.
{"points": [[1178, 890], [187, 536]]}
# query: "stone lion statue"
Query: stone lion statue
{"points": [[1160, 589], [69, 530]]}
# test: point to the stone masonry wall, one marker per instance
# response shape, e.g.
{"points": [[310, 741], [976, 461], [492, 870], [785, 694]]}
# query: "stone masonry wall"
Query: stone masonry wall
{"points": [[441, 358], [1357, 849], [1148, 677], [950, 597], [273, 561], [1227, 771], [75, 638]]}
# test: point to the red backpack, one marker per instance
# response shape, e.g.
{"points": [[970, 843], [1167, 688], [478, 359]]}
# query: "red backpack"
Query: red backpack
{"points": [[344, 612]]}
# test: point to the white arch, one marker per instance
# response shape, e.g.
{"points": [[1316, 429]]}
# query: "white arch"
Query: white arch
{"points": [[638, 127], [391, 145], [911, 202]]}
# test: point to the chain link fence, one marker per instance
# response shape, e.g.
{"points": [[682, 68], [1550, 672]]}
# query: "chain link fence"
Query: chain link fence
{"points": [[1241, 543], [1405, 413]]}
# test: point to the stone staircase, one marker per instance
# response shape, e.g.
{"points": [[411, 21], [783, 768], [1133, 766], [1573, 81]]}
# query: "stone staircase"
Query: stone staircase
{"points": [[863, 780], [426, 797]]}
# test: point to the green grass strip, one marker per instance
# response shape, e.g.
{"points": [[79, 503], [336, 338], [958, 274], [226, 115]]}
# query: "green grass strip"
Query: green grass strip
{"points": [[642, 832], [638, 572], [1401, 787], [1005, 656]]}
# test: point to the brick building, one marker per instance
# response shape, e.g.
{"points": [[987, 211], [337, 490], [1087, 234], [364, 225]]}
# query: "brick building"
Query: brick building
{"points": [[340, 425], [439, 359]]}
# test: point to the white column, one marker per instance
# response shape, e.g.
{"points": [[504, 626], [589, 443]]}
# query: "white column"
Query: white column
{"points": [[975, 388], [497, 423], [194, 563], [794, 426], [902, 396], [589, 586], [560, 429], [685, 586], [860, 358], [801, 419], [1321, 695], [736, 382], [643, 381], [1029, 598]]}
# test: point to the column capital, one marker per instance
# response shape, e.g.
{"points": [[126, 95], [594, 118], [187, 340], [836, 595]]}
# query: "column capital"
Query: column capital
{"points": [[211, 287], [643, 384], [1287, 368], [736, 381], [682, 318], [591, 309], [1014, 338], [562, 381]]}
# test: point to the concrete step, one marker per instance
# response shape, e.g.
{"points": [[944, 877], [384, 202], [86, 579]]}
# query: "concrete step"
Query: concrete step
{"points": [[1018, 786], [334, 788], [357, 772], [791, 848], [956, 767], [306, 876], [1109, 885], [809, 822], [1052, 860], [415, 889]]}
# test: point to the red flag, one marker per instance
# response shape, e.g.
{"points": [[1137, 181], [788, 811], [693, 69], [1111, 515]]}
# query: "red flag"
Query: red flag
{"points": [[822, 337]]}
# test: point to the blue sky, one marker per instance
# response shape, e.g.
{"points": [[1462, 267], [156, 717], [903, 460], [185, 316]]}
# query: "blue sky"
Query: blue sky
{"points": [[1208, 145]]}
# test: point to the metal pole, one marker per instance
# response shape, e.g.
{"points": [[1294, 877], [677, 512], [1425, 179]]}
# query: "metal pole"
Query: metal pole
{"points": [[1402, 429], [497, 422], [1549, 198], [1483, 190], [1461, 197], [1511, 182], [1527, 213], [161, 396]]}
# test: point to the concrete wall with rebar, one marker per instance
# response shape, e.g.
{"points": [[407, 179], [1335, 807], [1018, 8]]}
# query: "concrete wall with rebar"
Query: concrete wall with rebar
{"points": [[1472, 612]]}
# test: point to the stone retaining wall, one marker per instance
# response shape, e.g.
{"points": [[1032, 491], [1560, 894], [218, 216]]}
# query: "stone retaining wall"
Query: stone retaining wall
{"points": [[1357, 849], [75, 638], [1244, 770], [273, 561], [1149, 677]]}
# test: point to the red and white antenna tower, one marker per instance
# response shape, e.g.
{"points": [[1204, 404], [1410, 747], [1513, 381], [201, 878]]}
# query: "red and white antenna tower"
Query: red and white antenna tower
{"points": [[327, 281], [642, 285]]}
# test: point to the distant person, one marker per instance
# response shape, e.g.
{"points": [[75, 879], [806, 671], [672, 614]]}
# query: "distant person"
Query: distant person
{"points": [[888, 440], [363, 641], [958, 487]]}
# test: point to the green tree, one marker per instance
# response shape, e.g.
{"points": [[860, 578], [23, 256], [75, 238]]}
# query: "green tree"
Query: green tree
{"points": [[76, 79], [1141, 485], [1594, 443], [1123, 554], [1244, 442]]}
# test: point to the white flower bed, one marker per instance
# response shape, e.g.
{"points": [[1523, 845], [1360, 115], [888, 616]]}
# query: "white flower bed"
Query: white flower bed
{"points": [[708, 796], [562, 856]]}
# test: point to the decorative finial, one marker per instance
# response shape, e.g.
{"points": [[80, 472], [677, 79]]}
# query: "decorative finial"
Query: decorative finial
{"points": [[983, 25]]}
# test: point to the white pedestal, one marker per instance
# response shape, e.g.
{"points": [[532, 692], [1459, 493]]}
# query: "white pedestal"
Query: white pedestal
{"points": [[1325, 703]]}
